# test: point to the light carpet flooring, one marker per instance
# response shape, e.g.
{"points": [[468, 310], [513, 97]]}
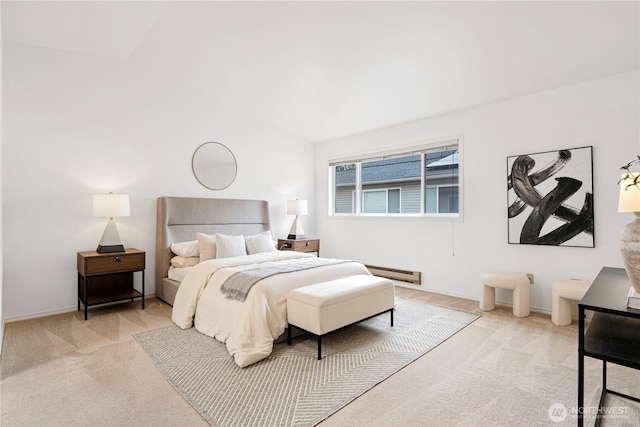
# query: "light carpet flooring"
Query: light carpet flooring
{"points": [[499, 371]]}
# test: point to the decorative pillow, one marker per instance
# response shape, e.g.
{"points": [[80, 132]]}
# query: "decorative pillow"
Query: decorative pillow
{"points": [[186, 249], [180, 261], [259, 243], [207, 245], [229, 246]]}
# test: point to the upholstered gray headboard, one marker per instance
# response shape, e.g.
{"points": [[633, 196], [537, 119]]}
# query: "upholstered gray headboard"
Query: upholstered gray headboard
{"points": [[180, 218]]}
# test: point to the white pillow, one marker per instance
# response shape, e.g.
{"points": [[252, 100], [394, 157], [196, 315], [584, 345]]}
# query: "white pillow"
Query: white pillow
{"points": [[181, 262], [229, 246], [207, 245], [186, 249], [259, 243]]}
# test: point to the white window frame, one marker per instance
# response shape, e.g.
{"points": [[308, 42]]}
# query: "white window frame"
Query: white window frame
{"points": [[422, 148]]}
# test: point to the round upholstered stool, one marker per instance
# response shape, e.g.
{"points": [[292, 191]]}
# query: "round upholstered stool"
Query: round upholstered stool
{"points": [[562, 293], [517, 282]]}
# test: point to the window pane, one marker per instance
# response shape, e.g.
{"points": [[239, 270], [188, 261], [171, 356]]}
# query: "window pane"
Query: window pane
{"points": [[448, 200], [345, 187], [393, 201], [431, 200], [441, 181], [374, 201]]}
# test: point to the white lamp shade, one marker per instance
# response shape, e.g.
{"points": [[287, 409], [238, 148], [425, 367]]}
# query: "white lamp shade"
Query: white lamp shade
{"points": [[297, 207], [111, 205], [629, 194]]}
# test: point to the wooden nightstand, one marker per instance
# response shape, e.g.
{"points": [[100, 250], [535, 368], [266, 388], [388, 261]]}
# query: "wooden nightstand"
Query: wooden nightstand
{"points": [[105, 278], [302, 245]]}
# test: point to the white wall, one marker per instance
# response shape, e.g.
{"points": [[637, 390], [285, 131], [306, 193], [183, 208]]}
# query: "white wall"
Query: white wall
{"points": [[602, 113], [78, 125]]}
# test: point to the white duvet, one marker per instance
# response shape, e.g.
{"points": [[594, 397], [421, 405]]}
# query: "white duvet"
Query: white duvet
{"points": [[247, 328]]}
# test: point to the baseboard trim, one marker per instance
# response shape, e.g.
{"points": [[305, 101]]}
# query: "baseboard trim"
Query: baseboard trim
{"points": [[2, 335], [37, 315]]}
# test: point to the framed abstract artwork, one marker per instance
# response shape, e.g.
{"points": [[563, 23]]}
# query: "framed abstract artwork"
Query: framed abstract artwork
{"points": [[550, 198]]}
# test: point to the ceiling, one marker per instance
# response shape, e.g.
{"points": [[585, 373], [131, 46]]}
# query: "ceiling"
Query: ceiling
{"points": [[322, 70]]}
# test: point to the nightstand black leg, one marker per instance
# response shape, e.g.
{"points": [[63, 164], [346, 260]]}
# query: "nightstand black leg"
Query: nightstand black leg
{"points": [[143, 289], [86, 299]]}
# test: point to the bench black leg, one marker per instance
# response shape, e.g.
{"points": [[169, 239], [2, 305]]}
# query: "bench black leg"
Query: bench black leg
{"points": [[289, 327]]}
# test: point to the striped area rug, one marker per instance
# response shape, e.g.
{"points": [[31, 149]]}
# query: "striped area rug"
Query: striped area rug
{"points": [[291, 387]]}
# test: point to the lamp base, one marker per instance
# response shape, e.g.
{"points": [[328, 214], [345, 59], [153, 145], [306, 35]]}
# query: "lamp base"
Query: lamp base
{"points": [[296, 232], [297, 236], [110, 241], [630, 249], [109, 249]]}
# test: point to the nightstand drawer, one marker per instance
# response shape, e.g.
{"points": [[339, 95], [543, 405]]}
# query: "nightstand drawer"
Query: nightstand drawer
{"points": [[305, 245], [302, 245], [111, 263]]}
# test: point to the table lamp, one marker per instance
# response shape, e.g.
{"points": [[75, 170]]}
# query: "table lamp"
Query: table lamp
{"points": [[629, 201], [296, 207], [110, 205]]}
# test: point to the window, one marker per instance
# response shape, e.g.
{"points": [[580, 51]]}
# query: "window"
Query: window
{"points": [[381, 201], [422, 180]]}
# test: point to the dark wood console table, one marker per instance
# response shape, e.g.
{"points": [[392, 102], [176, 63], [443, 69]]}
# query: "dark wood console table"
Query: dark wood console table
{"points": [[613, 334]]}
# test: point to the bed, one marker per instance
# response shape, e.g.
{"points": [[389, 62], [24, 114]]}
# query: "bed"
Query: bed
{"points": [[248, 325], [180, 218]]}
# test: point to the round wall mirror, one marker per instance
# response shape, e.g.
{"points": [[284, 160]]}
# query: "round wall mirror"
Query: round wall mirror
{"points": [[214, 165]]}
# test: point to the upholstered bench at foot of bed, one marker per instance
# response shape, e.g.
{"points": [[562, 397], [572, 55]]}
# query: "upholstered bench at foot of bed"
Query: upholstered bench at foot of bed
{"points": [[327, 306]]}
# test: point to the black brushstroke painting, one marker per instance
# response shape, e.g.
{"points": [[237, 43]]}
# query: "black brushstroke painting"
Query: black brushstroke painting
{"points": [[553, 204]]}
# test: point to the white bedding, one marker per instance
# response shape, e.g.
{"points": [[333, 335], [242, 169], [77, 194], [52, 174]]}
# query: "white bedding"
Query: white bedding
{"points": [[178, 274], [247, 328]]}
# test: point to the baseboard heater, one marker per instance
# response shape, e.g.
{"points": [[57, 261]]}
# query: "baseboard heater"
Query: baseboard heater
{"points": [[414, 277]]}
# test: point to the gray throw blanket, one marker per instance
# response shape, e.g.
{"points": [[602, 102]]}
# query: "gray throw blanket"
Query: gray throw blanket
{"points": [[238, 285]]}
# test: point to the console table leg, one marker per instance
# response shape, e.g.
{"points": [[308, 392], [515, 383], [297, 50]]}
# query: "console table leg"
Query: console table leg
{"points": [[581, 368]]}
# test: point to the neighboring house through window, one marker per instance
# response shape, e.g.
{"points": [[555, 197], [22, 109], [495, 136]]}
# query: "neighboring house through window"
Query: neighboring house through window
{"points": [[423, 180]]}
